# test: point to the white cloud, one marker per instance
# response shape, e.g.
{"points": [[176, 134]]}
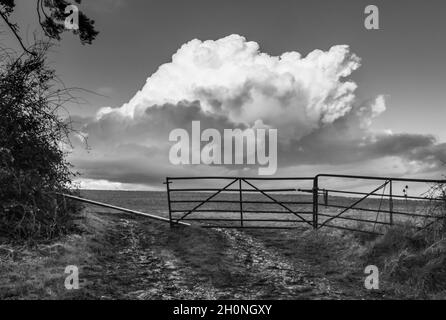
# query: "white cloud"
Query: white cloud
{"points": [[102, 184], [231, 77], [229, 83]]}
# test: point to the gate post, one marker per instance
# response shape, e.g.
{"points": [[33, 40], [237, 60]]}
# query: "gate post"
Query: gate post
{"points": [[315, 202], [391, 203], [240, 201], [168, 201]]}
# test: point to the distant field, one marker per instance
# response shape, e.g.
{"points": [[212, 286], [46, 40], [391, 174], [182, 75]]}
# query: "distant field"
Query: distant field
{"points": [[156, 203]]}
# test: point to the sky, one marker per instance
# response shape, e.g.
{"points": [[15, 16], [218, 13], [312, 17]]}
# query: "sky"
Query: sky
{"points": [[366, 101]]}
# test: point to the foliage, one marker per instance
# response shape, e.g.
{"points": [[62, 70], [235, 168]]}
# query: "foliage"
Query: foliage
{"points": [[33, 138], [414, 260], [51, 15]]}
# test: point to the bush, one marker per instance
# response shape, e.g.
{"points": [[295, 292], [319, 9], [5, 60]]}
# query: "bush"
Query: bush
{"points": [[33, 137], [413, 261]]}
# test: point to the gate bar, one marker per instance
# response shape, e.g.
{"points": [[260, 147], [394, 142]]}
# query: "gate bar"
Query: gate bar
{"points": [[378, 195], [101, 204], [380, 178], [243, 178], [383, 211]]}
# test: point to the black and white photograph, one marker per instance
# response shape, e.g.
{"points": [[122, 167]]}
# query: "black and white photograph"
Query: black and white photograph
{"points": [[222, 156]]}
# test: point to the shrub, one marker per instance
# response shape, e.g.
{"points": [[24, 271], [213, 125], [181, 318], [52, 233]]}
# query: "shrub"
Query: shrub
{"points": [[415, 260], [33, 137]]}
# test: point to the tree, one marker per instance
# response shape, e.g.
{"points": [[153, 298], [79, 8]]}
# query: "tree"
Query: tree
{"points": [[51, 15], [33, 136]]}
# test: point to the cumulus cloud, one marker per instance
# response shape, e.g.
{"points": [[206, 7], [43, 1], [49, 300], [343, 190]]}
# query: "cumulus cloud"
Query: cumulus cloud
{"points": [[231, 77], [230, 83]]}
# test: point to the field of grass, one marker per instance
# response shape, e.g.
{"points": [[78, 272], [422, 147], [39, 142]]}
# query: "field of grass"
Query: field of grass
{"points": [[122, 256], [375, 220]]}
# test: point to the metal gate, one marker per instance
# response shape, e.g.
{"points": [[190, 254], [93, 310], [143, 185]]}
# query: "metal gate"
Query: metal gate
{"points": [[290, 202], [232, 204]]}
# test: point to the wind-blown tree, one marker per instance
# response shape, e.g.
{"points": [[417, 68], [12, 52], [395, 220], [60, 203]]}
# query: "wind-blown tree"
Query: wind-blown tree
{"points": [[34, 137]]}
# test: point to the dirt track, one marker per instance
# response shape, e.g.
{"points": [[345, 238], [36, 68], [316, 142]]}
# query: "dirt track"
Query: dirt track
{"points": [[152, 261]]}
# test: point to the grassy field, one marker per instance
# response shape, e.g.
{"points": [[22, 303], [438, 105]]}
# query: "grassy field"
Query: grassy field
{"points": [[156, 203], [121, 256]]}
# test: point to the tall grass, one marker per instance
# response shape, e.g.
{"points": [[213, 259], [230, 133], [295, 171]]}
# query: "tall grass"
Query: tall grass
{"points": [[414, 260]]}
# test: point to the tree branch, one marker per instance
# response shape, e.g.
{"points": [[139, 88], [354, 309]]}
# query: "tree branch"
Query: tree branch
{"points": [[38, 8], [14, 31]]}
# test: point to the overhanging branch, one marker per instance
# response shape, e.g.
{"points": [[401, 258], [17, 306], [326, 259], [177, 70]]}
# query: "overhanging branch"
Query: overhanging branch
{"points": [[13, 28]]}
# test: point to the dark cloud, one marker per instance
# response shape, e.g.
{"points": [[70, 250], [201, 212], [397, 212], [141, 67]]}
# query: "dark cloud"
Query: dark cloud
{"points": [[135, 151], [347, 141], [229, 83]]}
